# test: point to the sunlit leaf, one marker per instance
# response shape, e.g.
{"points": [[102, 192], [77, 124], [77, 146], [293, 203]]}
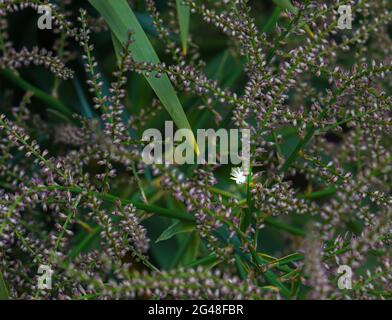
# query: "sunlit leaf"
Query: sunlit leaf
{"points": [[121, 20]]}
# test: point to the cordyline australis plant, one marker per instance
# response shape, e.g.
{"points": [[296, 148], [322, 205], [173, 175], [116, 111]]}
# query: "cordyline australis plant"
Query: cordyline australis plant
{"points": [[77, 197]]}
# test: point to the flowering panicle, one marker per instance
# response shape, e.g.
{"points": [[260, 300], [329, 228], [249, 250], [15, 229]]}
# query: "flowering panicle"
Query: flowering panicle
{"points": [[39, 57], [176, 284], [77, 196]]}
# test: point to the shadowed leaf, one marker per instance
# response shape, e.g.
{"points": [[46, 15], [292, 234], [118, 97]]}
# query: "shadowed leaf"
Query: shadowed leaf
{"points": [[176, 228], [3, 289], [183, 13]]}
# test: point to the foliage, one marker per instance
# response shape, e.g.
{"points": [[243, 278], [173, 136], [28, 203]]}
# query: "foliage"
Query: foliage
{"points": [[76, 195]]}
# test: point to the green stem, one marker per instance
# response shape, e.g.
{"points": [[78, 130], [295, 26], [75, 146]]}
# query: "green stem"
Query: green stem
{"points": [[113, 199], [38, 93]]}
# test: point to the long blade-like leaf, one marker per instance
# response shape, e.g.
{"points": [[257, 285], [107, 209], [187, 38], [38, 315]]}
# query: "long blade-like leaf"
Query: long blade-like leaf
{"points": [[188, 251], [121, 19], [3, 288], [272, 21], [176, 228], [38, 93], [183, 13]]}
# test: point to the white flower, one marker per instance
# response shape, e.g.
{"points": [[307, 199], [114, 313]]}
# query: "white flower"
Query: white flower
{"points": [[238, 175]]}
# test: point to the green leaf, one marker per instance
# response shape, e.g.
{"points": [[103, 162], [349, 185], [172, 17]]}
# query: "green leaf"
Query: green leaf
{"points": [[273, 20], [320, 194], [226, 69], [4, 295], [184, 216], [84, 243], [209, 261], [85, 107], [188, 251], [241, 267], [271, 276], [121, 19], [301, 144], [295, 287], [176, 228], [38, 93], [183, 13], [117, 46], [287, 259], [284, 226], [287, 5]]}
